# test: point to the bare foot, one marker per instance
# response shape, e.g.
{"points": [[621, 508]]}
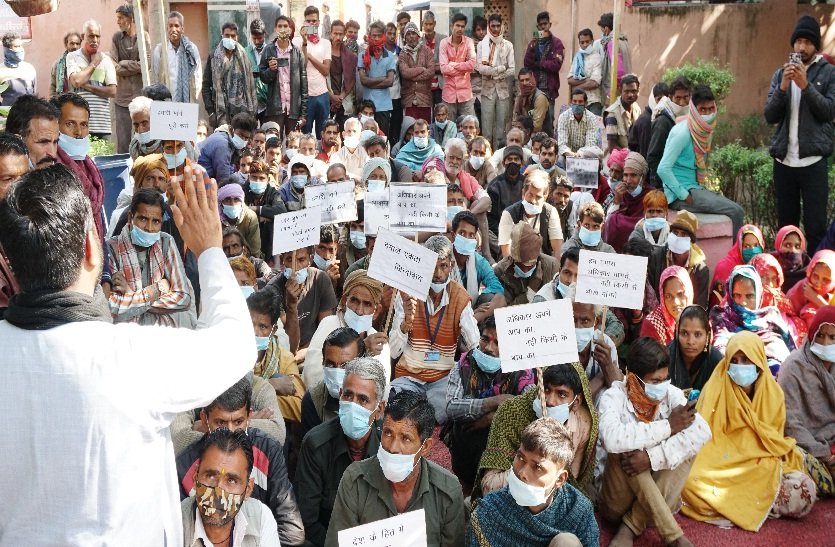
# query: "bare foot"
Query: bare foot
{"points": [[623, 538], [681, 542]]}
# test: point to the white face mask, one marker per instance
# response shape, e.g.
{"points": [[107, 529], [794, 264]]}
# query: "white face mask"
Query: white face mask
{"points": [[523, 493], [360, 323], [476, 162], [559, 412], [334, 377], [826, 353], [396, 467], [677, 244], [584, 337]]}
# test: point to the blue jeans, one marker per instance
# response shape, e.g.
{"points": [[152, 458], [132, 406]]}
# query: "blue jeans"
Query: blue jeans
{"points": [[318, 110]]}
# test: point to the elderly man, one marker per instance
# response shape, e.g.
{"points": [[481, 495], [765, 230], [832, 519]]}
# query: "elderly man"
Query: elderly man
{"points": [[35, 120], [420, 148], [515, 137], [329, 448], [533, 210], [399, 478], [124, 51], [58, 77], [184, 72], [351, 155], [141, 143], [495, 62], [92, 75], [228, 85], [526, 268], [424, 338]]}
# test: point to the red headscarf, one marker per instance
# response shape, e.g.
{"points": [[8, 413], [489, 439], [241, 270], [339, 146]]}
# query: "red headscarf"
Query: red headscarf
{"points": [[734, 256], [826, 314], [786, 230]]}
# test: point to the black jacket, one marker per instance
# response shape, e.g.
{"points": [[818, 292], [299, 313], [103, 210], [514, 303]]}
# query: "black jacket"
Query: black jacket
{"points": [[298, 82], [639, 133], [817, 110], [661, 127], [699, 277], [271, 206]]}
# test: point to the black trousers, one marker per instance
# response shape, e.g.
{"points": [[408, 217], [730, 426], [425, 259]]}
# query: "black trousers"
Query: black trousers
{"points": [[809, 185]]}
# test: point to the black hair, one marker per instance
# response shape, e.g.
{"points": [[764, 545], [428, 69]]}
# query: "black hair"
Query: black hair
{"points": [[26, 109], [526, 121], [464, 216], [638, 246], [260, 131], [231, 25], [235, 398], [459, 17], [479, 22], [694, 311], [572, 254], [146, 196], [366, 104], [538, 137], [272, 142], [660, 90], [74, 98], [328, 233], [228, 442], [524, 71], [646, 355], [680, 82], [157, 92], [585, 32], [374, 140], [629, 79], [488, 323], [415, 407], [342, 338], [563, 375], [257, 26], [403, 15], [244, 121], [578, 91], [245, 152], [543, 16], [44, 222], [547, 144], [69, 35], [701, 94], [283, 18], [266, 303], [494, 17], [11, 144], [125, 10], [9, 38], [311, 9], [330, 123]]}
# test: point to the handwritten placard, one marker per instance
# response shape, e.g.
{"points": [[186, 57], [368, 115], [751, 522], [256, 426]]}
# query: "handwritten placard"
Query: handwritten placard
{"points": [[417, 207], [296, 230], [174, 121], [376, 211], [611, 279], [336, 199], [403, 530], [402, 264], [582, 172], [536, 335]]}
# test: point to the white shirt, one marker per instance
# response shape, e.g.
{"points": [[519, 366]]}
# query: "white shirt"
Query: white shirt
{"points": [[268, 532], [353, 161], [793, 158], [173, 64], [316, 83], [87, 450]]}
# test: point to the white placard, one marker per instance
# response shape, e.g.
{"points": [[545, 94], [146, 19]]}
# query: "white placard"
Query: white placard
{"points": [[582, 172], [536, 335], [174, 121], [336, 199], [402, 264], [403, 530], [376, 212], [417, 207], [296, 230], [611, 279]]}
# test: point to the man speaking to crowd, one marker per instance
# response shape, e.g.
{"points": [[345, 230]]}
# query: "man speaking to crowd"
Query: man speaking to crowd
{"points": [[87, 451]]}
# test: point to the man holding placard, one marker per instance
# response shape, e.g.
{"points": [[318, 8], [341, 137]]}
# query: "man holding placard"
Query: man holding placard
{"points": [[217, 150]]}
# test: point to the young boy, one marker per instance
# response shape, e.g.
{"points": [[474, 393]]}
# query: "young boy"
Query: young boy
{"points": [[589, 230]]}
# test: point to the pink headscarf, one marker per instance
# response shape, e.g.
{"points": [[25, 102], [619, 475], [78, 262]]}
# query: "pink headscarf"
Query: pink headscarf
{"points": [[786, 230], [231, 190], [617, 157], [433, 161], [681, 274]]}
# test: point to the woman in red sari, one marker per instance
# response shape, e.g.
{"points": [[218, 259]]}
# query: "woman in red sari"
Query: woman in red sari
{"points": [[772, 277]]}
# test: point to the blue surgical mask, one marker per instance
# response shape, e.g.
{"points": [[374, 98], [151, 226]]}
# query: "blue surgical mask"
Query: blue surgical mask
{"points": [[439, 287], [320, 262], [143, 138], [360, 323], [708, 118], [535, 158], [228, 43], [530, 208], [298, 181], [301, 275], [257, 188], [376, 185], [333, 380], [232, 212], [141, 238], [441, 125], [262, 342], [655, 223], [77, 149], [421, 142], [238, 142], [583, 336], [246, 290], [453, 210], [588, 237], [558, 412], [354, 419], [357, 239], [464, 245], [613, 184], [486, 363], [517, 271], [563, 288], [748, 254], [577, 109], [637, 191], [742, 375], [175, 160]]}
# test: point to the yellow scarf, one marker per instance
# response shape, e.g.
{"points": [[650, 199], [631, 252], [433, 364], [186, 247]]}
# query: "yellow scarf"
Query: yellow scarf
{"points": [[737, 474]]}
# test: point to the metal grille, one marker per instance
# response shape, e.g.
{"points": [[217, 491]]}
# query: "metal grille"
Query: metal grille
{"points": [[503, 8]]}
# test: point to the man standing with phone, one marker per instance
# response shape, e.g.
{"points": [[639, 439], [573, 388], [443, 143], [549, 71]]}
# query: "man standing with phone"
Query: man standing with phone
{"points": [[544, 57], [283, 69], [317, 52], [801, 102]]}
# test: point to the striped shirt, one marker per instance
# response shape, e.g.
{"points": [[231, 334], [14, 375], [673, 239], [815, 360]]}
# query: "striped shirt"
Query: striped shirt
{"points": [[103, 75]]}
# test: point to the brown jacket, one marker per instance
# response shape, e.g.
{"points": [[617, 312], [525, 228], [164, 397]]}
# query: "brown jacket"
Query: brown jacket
{"points": [[416, 77]]}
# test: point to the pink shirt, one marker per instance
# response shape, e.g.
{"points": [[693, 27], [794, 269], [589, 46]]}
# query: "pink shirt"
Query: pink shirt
{"points": [[457, 86], [284, 76]]}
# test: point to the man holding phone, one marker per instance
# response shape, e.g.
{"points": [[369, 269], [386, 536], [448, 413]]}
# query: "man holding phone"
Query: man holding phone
{"points": [[544, 57], [801, 102], [317, 53], [283, 69]]}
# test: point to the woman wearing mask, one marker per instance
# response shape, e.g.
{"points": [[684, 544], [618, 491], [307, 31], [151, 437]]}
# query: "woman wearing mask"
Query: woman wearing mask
{"points": [[676, 292], [233, 213], [627, 206], [790, 251], [749, 470], [653, 226], [692, 355], [749, 243], [818, 289], [771, 275]]}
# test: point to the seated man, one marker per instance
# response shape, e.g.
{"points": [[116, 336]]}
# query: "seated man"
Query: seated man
{"points": [[300, 175], [538, 507], [534, 211], [217, 150], [141, 143], [309, 150], [272, 486], [234, 245], [526, 269], [234, 214], [589, 230], [424, 338], [399, 478], [265, 201], [681, 250], [515, 137], [651, 434], [321, 402], [420, 148], [149, 280], [222, 508], [352, 155], [472, 270], [332, 446], [598, 352]]}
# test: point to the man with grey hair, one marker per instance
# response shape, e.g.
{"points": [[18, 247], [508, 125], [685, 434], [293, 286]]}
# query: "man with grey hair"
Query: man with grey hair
{"points": [[92, 75], [515, 136], [329, 448], [424, 337], [124, 50], [469, 128], [182, 73], [351, 155]]}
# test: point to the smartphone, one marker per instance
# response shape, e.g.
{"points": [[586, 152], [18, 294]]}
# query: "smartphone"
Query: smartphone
{"points": [[311, 29], [538, 34], [795, 58], [693, 395], [284, 61]]}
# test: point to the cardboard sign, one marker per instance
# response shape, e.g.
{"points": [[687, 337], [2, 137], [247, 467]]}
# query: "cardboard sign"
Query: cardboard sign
{"points": [[536, 335], [296, 230], [417, 207], [336, 199], [611, 279], [376, 211], [582, 172], [174, 121], [403, 530], [405, 265]]}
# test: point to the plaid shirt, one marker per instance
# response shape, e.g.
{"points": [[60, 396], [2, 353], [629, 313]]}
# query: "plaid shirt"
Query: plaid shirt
{"points": [[573, 135]]}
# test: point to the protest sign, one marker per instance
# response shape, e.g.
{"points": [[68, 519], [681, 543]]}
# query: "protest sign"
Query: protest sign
{"points": [[417, 207], [611, 279], [403, 530], [336, 199], [536, 335], [376, 210], [582, 172], [173, 121], [405, 265], [296, 230]]}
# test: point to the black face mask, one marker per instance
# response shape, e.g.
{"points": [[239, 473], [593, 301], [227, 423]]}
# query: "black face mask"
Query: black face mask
{"points": [[512, 169]]}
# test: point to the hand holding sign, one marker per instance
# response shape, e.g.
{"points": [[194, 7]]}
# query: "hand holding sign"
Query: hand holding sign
{"points": [[403, 530], [417, 207], [536, 335], [174, 121], [582, 172], [377, 212], [336, 199], [296, 230], [402, 264], [610, 279]]}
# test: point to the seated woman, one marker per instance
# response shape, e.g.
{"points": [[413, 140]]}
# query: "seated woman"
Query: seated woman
{"points": [[477, 387], [790, 252], [809, 387], [568, 400], [771, 275], [676, 292], [749, 470], [749, 243], [654, 226], [628, 203], [742, 310], [692, 355], [819, 288]]}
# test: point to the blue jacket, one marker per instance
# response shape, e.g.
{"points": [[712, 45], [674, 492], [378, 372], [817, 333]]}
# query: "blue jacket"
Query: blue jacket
{"points": [[216, 156]]}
